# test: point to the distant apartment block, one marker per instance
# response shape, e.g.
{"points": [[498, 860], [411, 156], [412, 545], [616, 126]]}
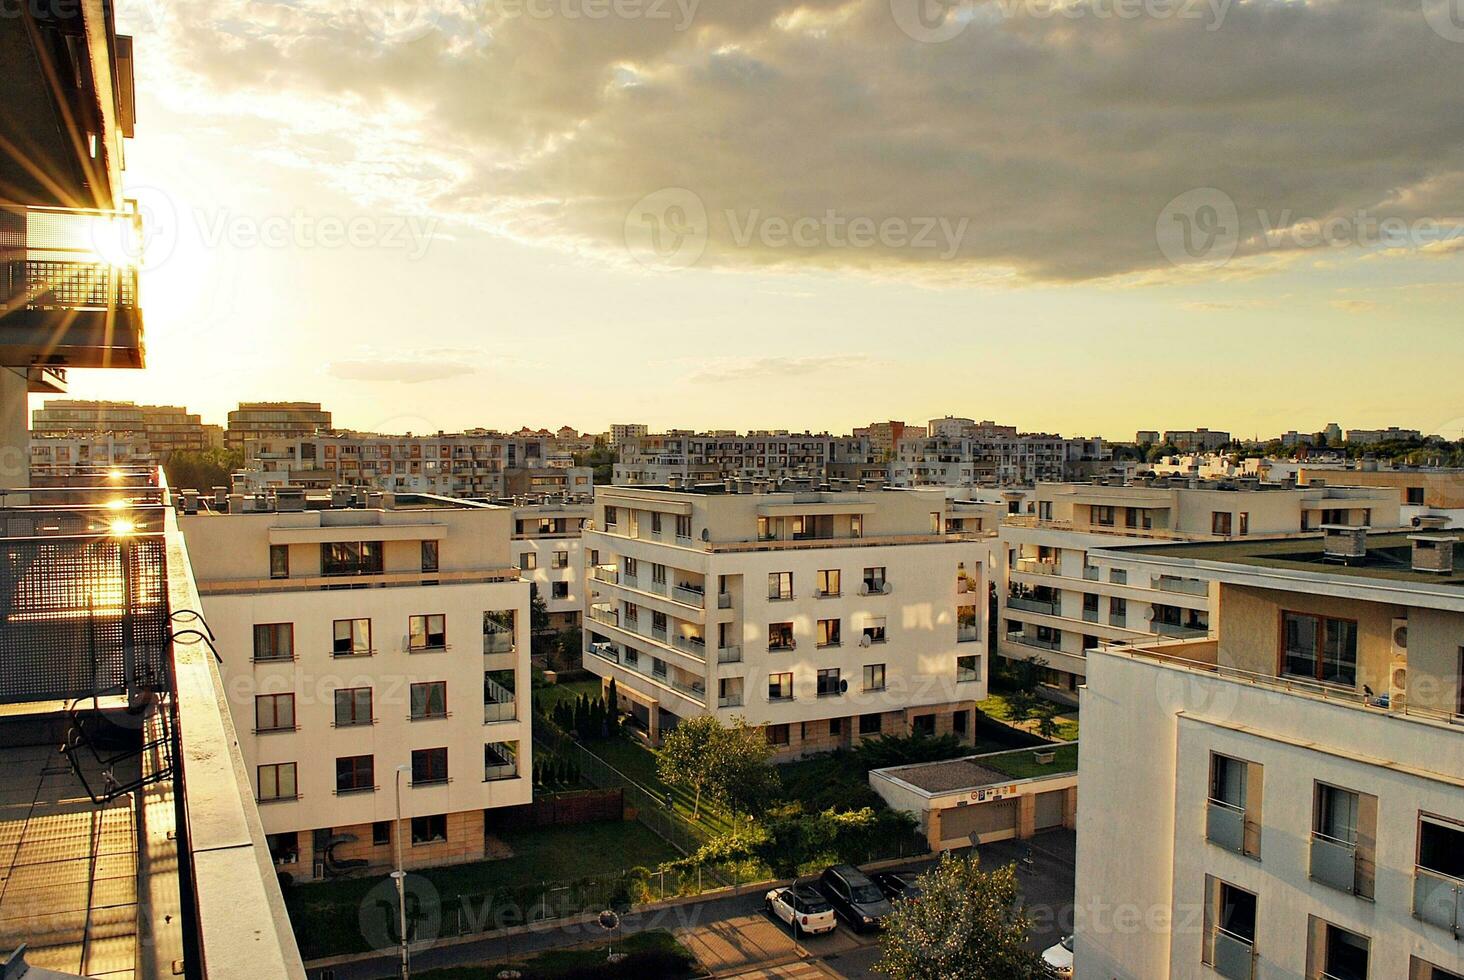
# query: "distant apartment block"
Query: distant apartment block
{"points": [[72, 431], [1196, 440], [1285, 797], [1419, 489], [253, 422], [361, 635], [654, 460], [1371, 437], [1145, 437], [883, 436], [824, 618], [624, 432], [1056, 605], [548, 548], [987, 455]]}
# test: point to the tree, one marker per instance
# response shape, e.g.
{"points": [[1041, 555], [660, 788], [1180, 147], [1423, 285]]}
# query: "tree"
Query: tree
{"points": [[202, 471], [788, 840], [538, 611], [1047, 712], [690, 757], [966, 926], [745, 782]]}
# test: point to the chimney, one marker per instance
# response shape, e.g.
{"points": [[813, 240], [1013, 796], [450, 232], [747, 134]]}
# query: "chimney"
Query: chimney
{"points": [[1433, 552], [1345, 543], [190, 501]]}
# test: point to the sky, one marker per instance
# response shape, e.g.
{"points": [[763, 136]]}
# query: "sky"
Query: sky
{"points": [[1108, 216]]}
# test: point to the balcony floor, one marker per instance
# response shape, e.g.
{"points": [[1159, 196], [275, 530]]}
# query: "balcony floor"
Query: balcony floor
{"points": [[68, 869]]}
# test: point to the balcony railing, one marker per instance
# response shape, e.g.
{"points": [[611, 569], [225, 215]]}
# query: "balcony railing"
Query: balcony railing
{"points": [[968, 634], [1234, 956], [1334, 862], [1179, 631], [1090, 572], [690, 595], [499, 703], [695, 644], [729, 655], [724, 600], [498, 641], [606, 615], [1090, 615], [1439, 900], [1169, 583], [1032, 641], [602, 573], [731, 701], [1225, 825], [1050, 607], [1038, 566]]}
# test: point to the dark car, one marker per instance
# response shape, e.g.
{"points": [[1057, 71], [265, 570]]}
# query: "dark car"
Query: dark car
{"points": [[854, 897], [897, 886]]}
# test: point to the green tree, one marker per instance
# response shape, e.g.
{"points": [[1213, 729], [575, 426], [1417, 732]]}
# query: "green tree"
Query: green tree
{"points": [[202, 471], [967, 926], [690, 757], [1047, 712], [745, 783]]}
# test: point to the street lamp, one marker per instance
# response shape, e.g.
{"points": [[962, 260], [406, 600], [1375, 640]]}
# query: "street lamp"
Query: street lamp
{"points": [[401, 877]]}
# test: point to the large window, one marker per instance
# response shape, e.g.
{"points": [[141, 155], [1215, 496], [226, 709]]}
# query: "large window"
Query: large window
{"points": [[277, 782], [351, 558], [828, 633], [274, 713], [429, 766], [780, 687], [500, 760], [429, 830], [352, 638], [780, 586], [1233, 814], [355, 774], [780, 636], [274, 641], [1319, 648], [429, 700], [829, 684], [1230, 928], [1441, 847], [429, 556], [279, 561], [828, 582], [1337, 953], [353, 707], [427, 632], [874, 677]]}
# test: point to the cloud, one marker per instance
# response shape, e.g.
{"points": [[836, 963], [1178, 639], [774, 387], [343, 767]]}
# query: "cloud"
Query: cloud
{"points": [[1354, 305], [767, 368], [404, 367], [1058, 141]]}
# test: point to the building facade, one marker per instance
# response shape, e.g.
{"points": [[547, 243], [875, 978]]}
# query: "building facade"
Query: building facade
{"points": [[1285, 798], [360, 639], [822, 617], [253, 422], [548, 548]]}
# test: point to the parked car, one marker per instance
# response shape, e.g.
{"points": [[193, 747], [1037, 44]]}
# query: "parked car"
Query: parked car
{"points": [[1060, 956], [854, 896], [897, 886], [803, 908]]}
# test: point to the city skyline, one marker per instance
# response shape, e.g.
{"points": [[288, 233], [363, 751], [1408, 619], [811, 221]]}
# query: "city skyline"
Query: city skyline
{"points": [[469, 218]]}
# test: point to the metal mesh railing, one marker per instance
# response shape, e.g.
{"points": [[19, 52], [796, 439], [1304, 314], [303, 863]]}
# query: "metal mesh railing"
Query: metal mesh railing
{"points": [[75, 259]]}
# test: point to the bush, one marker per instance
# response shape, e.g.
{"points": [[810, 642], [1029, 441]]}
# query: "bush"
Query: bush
{"points": [[898, 750]]}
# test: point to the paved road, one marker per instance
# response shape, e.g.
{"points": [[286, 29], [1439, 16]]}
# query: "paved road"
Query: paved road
{"points": [[735, 937]]}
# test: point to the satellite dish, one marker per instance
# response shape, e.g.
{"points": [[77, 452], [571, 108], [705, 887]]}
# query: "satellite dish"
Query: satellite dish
{"points": [[706, 535]]}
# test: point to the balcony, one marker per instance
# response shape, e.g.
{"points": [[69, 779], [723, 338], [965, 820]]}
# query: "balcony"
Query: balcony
{"points": [[690, 595], [606, 615], [1234, 956], [1032, 641], [1439, 900], [68, 287], [1179, 631], [724, 600], [497, 641], [695, 645], [604, 573], [1334, 863], [1049, 607], [729, 655], [968, 634], [499, 703], [1038, 566], [1225, 825]]}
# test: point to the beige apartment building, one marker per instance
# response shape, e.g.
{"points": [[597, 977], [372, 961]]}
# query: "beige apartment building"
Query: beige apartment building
{"points": [[548, 548], [823, 617], [1428, 487], [1056, 605], [362, 637], [255, 421], [703, 457], [1284, 798]]}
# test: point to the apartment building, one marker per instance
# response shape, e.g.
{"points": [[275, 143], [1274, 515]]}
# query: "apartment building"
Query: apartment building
{"points": [[1371, 437], [985, 454], [1056, 605], [376, 654], [56, 454], [1196, 440], [253, 422], [151, 432], [882, 436], [823, 617], [624, 432], [1284, 798], [548, 549], [655, 459], [1429, 488]]}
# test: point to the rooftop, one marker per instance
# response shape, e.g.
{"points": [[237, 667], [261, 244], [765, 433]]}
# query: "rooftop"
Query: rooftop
{"points": [[976, 771]]}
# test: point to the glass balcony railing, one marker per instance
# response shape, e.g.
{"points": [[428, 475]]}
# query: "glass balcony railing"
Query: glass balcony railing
{"points": [[1234, 956], [729, 655], [1334, 862], [1050, 607], [1439, 900], [498, 641], [690, 595], [1225, 825]]}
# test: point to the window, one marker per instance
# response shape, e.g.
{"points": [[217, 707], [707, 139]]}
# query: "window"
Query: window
{"points": [[351, 558], [856, 526], [828, 633], [612, 517], [1441, 847], [279, 561], [655, 522], [274, 641], [1102, 516], [1319, 648], [780, 636], [629, 568], [968, 669], [429, 830], [353, 707], [870, 724], [968, 629], [922, 725], [683, 526], [381, 833], [874, 677], [528, 560], [352, 638], [960, 721], [559, 590], [500, 761], [429, 556], [828, 683], [632, 614], [1230, 927], [1343, 827], [277, 782], [1414, 496], [1334, 952], [355, 774], [777, 734], [874, 581], [658, 575], [1244, 525], [780, 687], [561, 559], [274, 713], [429, 766], [284, 848], [427, 632], [1220, 523], [780, 586], [828, 582], [874, 630], [658, 624], [1233, 820], [429, 700]]}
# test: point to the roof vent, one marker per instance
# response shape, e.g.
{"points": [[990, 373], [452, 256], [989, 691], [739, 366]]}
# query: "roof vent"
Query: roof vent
{"points": [[1433, 552], [1345, 543]]}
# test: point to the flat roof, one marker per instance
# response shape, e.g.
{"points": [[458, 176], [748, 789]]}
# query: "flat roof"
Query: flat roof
{"points": [[975, 771]]}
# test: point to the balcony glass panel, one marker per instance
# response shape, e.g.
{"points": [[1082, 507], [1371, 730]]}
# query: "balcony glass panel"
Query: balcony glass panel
{"points": [[1333, 863], [1225, 826], [1439, 900], [1234, 957]]}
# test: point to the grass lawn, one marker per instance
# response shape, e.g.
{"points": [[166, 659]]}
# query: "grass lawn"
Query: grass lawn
{"points": [[834, 780], [557, 963], [325, 915], [996, 706], [1022, 764], [546, 697], [637, 762]]}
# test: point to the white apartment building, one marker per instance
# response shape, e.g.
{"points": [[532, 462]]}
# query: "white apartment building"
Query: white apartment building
{"points": [[1286, 798], [1056, 605], [548, 548], [656, 459], [1196, 440], [822, 617], [359, 639], [956, 454]]}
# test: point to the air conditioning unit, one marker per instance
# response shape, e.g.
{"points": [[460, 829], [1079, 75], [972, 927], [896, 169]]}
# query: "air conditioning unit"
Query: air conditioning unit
{"points": [[1398, 664]]}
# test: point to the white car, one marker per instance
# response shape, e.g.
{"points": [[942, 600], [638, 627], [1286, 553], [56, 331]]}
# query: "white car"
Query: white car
{"points": [[802, 907], [1060, 957]]}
